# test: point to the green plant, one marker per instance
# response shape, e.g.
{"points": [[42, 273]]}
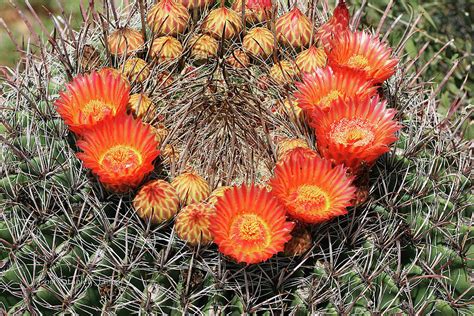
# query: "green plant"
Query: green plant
{"points": [[68, 246]]}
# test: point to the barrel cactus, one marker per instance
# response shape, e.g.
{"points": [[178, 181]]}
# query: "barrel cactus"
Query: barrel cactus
{"points": [[79, 236]]}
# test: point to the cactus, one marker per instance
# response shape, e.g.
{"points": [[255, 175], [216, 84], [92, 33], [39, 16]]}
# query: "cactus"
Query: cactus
{"points": [[68, 245]]}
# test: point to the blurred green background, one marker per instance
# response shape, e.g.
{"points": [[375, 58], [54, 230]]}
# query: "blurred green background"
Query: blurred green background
{"points": [[18, 28], [442, 20]]}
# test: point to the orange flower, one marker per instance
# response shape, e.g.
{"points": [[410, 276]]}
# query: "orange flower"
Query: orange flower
{"points": [[191, 188], [259, 42], [324, 87], [291, 108], [170, 154], [166, 49], [125, 41], [193, 223], [337, 24], [294, 29], [254, 12], [120, 152], [203, 46], [221, 19], [238, 59], [156, 201], [139, 104], [311, 189], [250, 225], [364, 53], [136, 69], [355, 132], [92, 98], [283, 72], [310, 60], [168, 17]]}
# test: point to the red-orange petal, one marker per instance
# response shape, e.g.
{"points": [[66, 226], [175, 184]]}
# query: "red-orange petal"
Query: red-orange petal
{"points": [[311, 189], [362, 52], [325, 87], [355, 132], [250, 224], [120, 151], [93, 98]]}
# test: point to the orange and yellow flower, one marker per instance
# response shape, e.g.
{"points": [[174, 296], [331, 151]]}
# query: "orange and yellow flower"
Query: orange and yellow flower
{"points": [[254, 12], [203, 46], [139, 104], [161, 132], [311, 59], [191, 188], [294, 29], [120, 151], [136, 69], [364, 53], [259, 42], [168, 17], [222, 21], [170, 154], [193, 223], [92, 98], [250, 225], [156, 201], [311, 189], [166, 49], [325, 87], [238, 59], [355, 132], [291, 108], [337, 24], [125, 41], [283, 72]]}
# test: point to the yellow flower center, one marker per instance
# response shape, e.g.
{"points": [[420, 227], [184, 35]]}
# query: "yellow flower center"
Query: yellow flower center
{"points": [[250, 228], [121, 159], [96, 109], [311, 199], [333, 95], [355, 132], [359, 62]]}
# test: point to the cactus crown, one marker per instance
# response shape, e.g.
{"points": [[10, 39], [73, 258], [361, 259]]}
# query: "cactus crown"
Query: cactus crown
{"points": [[69, 246]]}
